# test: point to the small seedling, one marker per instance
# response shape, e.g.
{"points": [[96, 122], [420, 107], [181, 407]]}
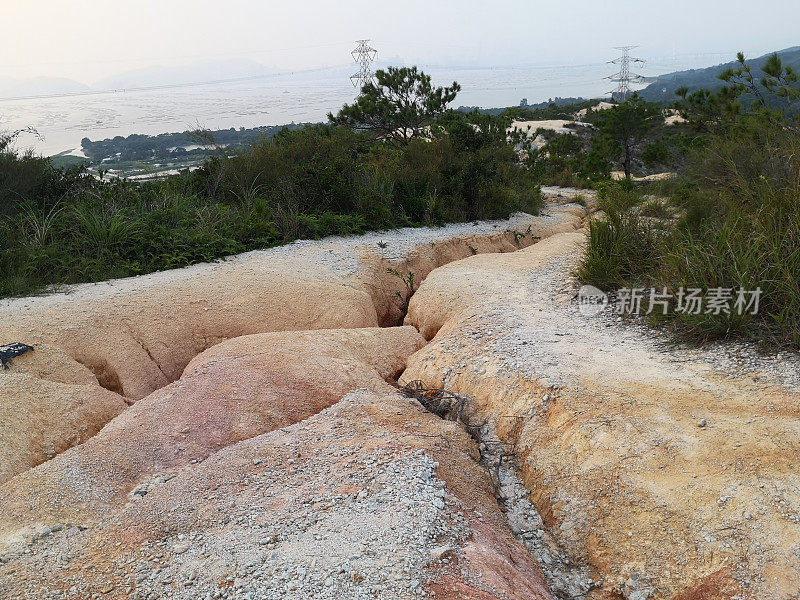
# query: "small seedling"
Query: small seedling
{"points": [[403, 297]]}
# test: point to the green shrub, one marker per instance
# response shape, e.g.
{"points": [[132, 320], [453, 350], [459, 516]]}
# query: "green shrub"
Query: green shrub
{"points": [[732, 222], [66, 226], [621, 244], [744, 230], [655, 153]]}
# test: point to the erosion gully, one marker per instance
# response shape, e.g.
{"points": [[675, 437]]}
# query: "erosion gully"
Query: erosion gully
{"points": [[393, 291]]}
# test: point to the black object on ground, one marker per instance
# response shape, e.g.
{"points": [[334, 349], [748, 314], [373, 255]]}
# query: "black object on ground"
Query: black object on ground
{"points": [[10, 351]]}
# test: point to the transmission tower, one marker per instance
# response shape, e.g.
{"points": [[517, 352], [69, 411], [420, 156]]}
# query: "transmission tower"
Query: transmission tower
{"points": [[625, 78], [364, 55]]}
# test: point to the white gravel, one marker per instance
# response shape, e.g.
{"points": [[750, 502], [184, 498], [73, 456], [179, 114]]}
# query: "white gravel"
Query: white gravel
{"points": [[336, 256], [350, 546]]}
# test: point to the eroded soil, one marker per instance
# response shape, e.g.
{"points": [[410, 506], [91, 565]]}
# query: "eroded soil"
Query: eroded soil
{"points": [[234, 431]]}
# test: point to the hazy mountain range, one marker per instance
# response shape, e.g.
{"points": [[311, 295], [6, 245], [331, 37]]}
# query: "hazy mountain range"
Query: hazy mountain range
{"points": [[150, 76], [12, 88], [157, 76], [664, 86]]}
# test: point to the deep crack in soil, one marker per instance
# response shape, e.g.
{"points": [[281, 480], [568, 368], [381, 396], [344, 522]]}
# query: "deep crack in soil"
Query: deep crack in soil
{"points": [[195, 404]]}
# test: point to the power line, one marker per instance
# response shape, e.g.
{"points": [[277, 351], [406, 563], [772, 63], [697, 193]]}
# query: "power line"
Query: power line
{"points": [[624, 78], [364, 55], [141, 59], [168, 86]]}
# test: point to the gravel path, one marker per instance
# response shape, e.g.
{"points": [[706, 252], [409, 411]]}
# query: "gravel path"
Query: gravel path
{"points": [[361, 545], [336, 256], [664, 468]]}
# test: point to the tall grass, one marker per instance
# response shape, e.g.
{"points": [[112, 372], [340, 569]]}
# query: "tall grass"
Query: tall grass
{"points": [[734, 222], [751, 238], [618, 248], [60, 227], [622, 242]]}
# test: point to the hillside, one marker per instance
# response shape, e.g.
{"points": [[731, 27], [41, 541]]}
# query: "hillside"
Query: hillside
{"points": [[11, 87], [245, 429], [663, 89]]}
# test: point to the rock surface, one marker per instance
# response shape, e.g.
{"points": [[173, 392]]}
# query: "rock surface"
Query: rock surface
{"points": [[48, 403], [134, 336], [374, 497], [51, 364], [171, 475], [137, 335], [604, 423], [232, 392], [40, 418]]}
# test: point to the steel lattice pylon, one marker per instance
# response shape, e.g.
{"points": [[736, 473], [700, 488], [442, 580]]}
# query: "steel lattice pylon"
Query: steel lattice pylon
{"points": [[364, 55], [624, 78]]}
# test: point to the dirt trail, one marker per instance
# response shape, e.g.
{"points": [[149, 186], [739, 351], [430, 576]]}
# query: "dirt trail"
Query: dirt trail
{"points": [[664, 472], [134, 336], [267, 455], [209, 484]]}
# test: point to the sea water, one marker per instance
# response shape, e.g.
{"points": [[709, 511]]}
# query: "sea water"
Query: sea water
{"points": [[292, 97]]}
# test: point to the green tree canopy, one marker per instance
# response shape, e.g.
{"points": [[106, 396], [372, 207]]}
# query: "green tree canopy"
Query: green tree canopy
{"points": [[627, 124], [398, 105], [777, 80], [774, 96]]}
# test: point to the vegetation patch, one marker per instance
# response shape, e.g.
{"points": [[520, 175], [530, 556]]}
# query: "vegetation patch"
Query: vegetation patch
{"points": [[65, 225], [730, 222]]}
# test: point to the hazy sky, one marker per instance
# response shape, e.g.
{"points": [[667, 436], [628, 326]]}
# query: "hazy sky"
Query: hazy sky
{"points": [[90, 39]]}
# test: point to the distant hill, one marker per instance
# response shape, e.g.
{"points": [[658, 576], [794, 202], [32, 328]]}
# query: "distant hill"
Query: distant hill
{"points": [[41, 86], [663, 89], [150, 76]]}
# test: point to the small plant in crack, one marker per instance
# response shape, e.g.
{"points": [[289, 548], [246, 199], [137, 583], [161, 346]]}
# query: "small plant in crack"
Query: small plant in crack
{"points": [[405, 296], [520, 235], [382, 247]]}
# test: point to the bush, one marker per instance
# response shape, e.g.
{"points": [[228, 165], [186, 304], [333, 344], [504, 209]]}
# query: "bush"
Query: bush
{"points": [[655, 153], [733, 221], [621, 244], [66, 226], [743, 230]]}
